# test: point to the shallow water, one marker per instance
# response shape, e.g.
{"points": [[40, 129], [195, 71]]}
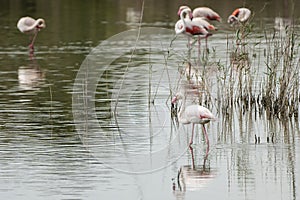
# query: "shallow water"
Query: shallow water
{"points": [[89, 116]]}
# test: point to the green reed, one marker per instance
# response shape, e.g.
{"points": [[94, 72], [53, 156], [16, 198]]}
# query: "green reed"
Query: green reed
{"points": [[261, 72]]}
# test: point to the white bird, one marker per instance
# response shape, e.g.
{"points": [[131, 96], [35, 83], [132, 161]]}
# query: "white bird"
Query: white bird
{"points": [[239, 15], [194, 114], [199, 21], [200, 17], [202, 12], [186, 26], [195, 26], [190, 28], [31, 26]]}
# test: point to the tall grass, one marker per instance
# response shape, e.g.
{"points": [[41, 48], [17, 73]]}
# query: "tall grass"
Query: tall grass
{"points": [[280, 96], [261, 73]]}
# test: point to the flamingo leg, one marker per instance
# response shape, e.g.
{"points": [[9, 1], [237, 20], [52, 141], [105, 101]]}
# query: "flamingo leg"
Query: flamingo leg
{"points": [[193, 159], [205, 157], [191, 141], [206, 47], [189, 49], [31, 45], [206, 139], [199, 50]]}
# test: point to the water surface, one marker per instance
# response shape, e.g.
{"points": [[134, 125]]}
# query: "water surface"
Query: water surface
{"points": [[123, 144]]}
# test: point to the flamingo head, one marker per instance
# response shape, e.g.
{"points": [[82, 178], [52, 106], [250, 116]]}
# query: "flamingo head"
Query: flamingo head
{"points": [[181, 8], [179, 27], [40, 24], [177, 97], [174, 100], [212, 28], [218, 18], [232, 19]]}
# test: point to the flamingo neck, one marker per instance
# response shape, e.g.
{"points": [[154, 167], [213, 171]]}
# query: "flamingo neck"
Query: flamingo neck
{"points": [[181, 112], [183, 19], [38, 24], [236, 12]]}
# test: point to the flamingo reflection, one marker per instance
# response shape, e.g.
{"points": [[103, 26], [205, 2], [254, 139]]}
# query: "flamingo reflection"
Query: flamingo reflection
{"points": [[31, 76], [193, 177]]}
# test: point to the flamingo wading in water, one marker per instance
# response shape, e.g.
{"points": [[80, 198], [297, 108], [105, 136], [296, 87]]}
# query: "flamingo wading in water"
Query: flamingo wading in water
{"points": [[186, 26], [239, 15], [194, 114], [31, 26], [202, 12], [191, 27], [200, 17]]}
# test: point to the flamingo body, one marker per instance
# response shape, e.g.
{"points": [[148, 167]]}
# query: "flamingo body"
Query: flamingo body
{"points": [[197, 114], [186, 26], [194, 114], [239, 15], [202, 22], [30, 25], [206, 13], [201, 12]]}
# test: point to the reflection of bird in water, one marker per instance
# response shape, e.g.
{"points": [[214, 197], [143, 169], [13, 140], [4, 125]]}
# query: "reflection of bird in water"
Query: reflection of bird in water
{"points": [[31, 76], [282, 24], [194, 114], [239, 15], [132, 16], [31, 26], [193, 177], [193, 76]]}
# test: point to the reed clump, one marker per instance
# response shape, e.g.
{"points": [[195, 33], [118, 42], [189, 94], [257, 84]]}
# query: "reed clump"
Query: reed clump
{"points": [[271, 85], [280, 92], [260, 73]]}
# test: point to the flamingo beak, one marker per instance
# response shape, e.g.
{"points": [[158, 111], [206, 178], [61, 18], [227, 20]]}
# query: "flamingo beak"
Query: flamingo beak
{"points": [[191, 15], [173, 101], [211, 27], [179, 11]]}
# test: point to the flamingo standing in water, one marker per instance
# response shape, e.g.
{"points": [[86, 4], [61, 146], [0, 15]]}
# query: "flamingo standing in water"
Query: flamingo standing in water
{"points": [[194, 114], [202, 12], [239, 15], [31, 26], [186, 26], [200, 17], [191, 27]]}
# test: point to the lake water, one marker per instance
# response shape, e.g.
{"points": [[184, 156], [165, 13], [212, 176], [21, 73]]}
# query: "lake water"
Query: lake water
{"points": [[89, 115]]}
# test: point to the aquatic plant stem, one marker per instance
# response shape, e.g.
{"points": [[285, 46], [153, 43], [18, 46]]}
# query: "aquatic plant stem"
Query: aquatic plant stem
{"points": [[130, 59]]}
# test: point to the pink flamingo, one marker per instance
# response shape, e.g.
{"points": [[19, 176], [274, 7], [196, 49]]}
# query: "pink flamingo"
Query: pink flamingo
{"points": [[239, 15], [200, 17], [202, 22], [186, 26], [190, 28], [194, 114], [202, 12], [31, 26]]}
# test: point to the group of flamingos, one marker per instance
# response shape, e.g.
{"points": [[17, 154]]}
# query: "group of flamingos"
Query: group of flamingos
{"points": [[191, 23], [196, 23]]}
